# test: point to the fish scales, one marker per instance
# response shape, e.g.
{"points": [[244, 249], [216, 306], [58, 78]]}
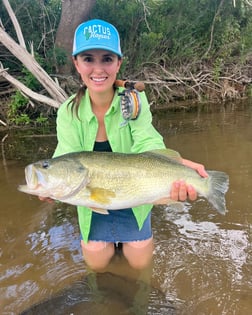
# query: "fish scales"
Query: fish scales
{"points": [[108, 180]]}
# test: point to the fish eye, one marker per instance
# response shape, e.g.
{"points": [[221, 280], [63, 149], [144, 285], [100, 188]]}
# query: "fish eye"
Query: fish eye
{"points": [[45, 164]]}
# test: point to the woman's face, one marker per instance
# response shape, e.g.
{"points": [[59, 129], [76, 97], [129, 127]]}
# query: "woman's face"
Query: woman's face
{"points": [[98, 69]]}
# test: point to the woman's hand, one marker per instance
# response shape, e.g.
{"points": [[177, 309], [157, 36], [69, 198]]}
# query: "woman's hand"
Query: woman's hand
{"points": [[196, 166], [180, 190]]}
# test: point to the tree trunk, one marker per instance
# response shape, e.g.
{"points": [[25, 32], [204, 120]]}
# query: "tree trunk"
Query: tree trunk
{"points": [[73, 13]]}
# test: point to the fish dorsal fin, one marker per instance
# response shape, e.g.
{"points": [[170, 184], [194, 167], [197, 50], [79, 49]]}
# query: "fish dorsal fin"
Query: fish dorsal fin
{"points": [[168, 153]]}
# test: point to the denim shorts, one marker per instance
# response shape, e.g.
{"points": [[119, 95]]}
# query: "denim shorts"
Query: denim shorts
{"points": [[118, 226]]}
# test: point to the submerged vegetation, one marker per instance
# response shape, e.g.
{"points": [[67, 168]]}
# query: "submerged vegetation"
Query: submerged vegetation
{"points": [[183, 50]]}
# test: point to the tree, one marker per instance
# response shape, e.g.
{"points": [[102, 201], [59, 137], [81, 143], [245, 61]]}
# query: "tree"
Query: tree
{"points": [[72, 14], [201, 50], [64, 36]]}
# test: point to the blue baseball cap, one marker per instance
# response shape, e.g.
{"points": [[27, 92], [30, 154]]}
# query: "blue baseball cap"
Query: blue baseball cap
{"points": [[96, 34]]}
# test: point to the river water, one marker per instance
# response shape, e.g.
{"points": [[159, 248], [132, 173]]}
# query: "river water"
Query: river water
{"points": [[202, 260]]}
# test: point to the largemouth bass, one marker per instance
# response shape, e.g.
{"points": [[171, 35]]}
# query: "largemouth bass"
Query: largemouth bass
{"points": [[110, 181]]}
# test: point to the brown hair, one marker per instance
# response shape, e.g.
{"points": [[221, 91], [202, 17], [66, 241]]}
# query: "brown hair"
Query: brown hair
{"points": [[74, 103]]}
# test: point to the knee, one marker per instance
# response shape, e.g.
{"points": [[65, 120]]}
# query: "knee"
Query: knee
{"points": [[97, 255], [140, 264], [139, 254]]}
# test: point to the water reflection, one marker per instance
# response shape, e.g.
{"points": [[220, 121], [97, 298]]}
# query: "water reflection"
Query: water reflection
{"points": [[209, 256], [40, 256], [202, 262], [206, 265]]}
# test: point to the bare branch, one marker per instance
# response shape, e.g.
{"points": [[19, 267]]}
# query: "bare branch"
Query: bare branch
{"points": [[15, 23], [212, 28], [249, 2], [183, 84], [57, 93], [26, 91], [146, 12], [3, 123]]}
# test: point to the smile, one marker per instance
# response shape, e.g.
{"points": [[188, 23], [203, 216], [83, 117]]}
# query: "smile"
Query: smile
{"points": [[98, 79]]}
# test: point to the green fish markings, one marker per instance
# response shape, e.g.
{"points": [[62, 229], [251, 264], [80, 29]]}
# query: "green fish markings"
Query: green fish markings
{"points": [[109, 180]]}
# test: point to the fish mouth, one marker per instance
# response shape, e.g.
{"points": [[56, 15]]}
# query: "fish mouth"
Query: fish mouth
{"points": [[42, 184], [33, 180], [31, 177]]}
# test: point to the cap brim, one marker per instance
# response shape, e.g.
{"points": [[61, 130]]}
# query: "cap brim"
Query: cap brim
{"points": [[100, 47]]}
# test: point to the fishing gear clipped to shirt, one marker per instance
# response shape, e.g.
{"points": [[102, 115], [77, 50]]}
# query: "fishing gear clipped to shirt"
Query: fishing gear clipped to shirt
{"points": [[130, 101]]}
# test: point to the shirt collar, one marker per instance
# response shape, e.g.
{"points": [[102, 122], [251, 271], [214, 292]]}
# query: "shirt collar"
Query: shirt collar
{"points": [[86, 108]]}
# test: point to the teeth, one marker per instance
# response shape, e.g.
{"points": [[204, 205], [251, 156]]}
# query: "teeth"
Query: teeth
{"points": [[98, 79]]}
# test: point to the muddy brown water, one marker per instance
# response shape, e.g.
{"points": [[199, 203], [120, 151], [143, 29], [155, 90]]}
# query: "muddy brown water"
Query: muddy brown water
{"points": [[202, 260]]}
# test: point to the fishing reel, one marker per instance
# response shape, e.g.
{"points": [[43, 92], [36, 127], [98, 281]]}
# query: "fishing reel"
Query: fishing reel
{"points": [[130, 102]]}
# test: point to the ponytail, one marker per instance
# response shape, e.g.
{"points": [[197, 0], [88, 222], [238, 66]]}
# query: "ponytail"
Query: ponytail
{"points": [[74, 103]]}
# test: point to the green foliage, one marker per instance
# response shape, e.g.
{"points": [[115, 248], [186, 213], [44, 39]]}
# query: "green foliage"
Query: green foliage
{"points": [[249, 92], [55, 55], [42, 120], [178, 31], [16, 107], [173, 33], [20, 114], [39, 21], [29, 80], [217, 68], [246, 38], [22, 119]]}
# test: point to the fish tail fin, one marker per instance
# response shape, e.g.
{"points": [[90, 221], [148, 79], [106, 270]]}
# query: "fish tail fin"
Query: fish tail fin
{"points": [[219, 182]]}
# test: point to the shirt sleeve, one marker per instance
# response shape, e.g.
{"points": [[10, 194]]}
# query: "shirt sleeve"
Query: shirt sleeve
{"points": [[145, 136], [67, 132]]}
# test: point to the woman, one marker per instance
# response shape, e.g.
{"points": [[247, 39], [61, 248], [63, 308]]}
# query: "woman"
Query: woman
{"points": [[92, 120]]}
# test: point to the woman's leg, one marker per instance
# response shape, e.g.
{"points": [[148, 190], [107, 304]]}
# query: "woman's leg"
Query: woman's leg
{"points": [[97, 254], [139, 253]]}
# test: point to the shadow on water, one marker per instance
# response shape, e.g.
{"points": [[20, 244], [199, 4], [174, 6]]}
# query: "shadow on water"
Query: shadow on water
{"points": [[104, 293], [202, 260]]}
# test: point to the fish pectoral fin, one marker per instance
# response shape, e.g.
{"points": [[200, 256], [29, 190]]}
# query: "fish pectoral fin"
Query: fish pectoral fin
{"points": [[100, 211], [101, 195]]}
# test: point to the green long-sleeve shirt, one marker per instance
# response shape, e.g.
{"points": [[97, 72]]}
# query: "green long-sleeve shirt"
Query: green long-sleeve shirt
{"points": [[78, 134]]}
